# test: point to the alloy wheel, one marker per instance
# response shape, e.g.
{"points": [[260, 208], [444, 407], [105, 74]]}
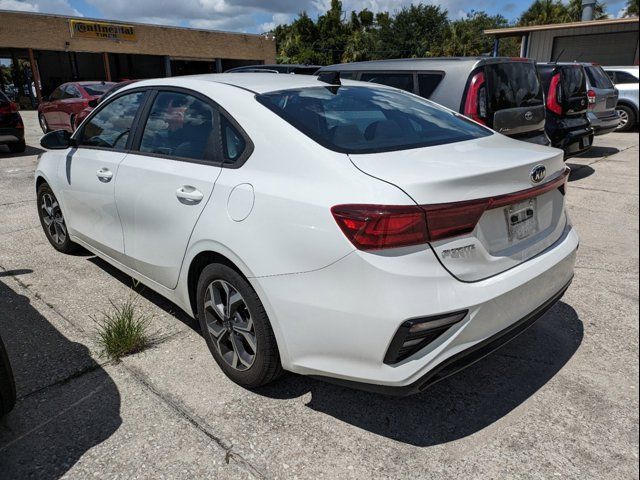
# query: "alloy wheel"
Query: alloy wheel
{"points": [[624, 118], [230, 325], [53, 219]]}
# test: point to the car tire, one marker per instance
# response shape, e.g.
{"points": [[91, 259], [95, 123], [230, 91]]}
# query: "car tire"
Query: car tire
{"points": [[43, 123], [627, 118], [18, 147], [52, 220], [7, 384], [236, 327]]}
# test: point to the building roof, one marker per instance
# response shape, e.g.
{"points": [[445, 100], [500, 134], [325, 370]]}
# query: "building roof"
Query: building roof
{"points": [[516, 31]]}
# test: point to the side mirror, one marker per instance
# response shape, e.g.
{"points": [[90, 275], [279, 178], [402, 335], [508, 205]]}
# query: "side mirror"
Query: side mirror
{"points": [[93, 103], [58, 140]]}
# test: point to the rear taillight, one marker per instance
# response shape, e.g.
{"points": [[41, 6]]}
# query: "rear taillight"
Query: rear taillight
{"points": [[475, 104], [14, 107], [591, 96], [376, 227], [554, 98]]}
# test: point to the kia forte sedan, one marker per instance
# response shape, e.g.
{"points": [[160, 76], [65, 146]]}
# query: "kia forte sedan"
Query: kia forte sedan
{"points": [[344, 230]]}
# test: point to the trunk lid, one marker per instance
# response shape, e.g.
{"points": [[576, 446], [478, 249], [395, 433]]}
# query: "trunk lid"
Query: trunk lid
{"points": [[489, 167]]}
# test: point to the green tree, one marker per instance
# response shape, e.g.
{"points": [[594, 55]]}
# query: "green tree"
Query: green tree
{"points": [[465, 37], [631, 9], [418, 30]]}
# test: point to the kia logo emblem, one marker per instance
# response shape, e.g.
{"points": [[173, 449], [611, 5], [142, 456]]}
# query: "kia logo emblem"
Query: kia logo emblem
{"points": [[538, 173], [528, 116]]}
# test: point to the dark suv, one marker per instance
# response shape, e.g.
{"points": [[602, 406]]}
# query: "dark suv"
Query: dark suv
{"points": [[11, 126], [503, 93], [567, 104]]}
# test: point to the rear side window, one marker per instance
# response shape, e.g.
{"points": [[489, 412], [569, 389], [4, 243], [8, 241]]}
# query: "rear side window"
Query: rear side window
{"points": [[110, 127], [180, 125], [427, 83], [597, 77], [369, 120], [233, 143], [403, 81], [513, 85]]}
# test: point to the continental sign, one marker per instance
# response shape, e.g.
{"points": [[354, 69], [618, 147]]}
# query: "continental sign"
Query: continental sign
{"points": [[102, 31]]}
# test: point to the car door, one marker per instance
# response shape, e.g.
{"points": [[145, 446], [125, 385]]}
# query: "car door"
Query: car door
{"points": [[90, 171], [50, 108], [163, 187], [71, 103]]}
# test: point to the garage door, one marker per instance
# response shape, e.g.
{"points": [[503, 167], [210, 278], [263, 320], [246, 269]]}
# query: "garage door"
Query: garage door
{"points": [[605, 48]]}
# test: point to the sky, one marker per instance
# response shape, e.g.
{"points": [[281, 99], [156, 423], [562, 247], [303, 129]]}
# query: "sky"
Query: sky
{"points": [[249, 16]]}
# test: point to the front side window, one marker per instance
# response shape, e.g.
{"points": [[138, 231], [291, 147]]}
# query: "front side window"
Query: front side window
{"points": [[403, 81], [625, 77], [56, 95], [110, 127], [180, 125], [368, 119], [97, 89], [71, 91]]}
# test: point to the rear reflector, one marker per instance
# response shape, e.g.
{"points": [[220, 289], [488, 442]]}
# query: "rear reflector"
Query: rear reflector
{"points": [[417, 333], [375, 227]]}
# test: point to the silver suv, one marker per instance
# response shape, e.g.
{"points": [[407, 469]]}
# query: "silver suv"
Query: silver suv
{"points": [[626, 81], [503, 93], [603, 98]]}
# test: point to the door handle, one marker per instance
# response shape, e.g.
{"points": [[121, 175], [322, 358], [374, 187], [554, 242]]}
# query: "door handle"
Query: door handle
{"points": [[189, 195], [104, 175]]}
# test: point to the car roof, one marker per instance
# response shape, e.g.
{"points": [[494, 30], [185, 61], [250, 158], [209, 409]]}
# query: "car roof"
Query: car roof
{"points": [[433, 63], [253, 82]]}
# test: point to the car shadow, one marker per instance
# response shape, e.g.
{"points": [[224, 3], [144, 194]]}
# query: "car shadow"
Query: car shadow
{"points": [[578, 172], [5, 153], [67, 403], [460, 405], [153, 297], [598, 151]]}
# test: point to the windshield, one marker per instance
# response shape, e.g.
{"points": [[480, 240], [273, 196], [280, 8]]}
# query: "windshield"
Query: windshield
{"points": [[97, 89], [597, 77], [369, 120], [513, 85]]}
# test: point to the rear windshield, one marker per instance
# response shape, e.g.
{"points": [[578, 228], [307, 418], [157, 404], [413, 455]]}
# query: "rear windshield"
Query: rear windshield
{"points": [[369, 120], [573, 81], [513, 85], [597, 77], [97, 88]]}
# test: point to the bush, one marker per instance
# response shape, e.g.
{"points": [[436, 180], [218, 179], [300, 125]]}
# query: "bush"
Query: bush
{"points": [[123, 331]]}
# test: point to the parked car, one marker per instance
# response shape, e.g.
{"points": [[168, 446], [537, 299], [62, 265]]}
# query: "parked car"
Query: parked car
{"points": [[349, 231], [93, 103], [503, 93], [602, 97], [11, 126], [299, 69], [58, 111], [7, 384], [626, 81], [567, 104]]}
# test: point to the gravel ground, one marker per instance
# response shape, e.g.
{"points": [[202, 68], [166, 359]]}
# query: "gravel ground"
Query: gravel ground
{"points": [[559, 401]]}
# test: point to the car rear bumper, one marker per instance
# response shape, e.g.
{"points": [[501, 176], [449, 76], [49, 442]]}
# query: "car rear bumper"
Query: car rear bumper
{"points": [[603, 124], [576, 142], [11, 135], [339, 321]]}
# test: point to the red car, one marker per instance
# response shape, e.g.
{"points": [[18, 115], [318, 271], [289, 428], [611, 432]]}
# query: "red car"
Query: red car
{"points": [[58, 111], [94, 103]]}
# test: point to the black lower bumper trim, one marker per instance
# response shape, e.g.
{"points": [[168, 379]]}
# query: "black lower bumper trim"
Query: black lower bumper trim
{"points": [[459, 361]]}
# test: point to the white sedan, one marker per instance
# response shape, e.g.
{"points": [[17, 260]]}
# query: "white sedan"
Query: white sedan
{"points": [[348, 231]]}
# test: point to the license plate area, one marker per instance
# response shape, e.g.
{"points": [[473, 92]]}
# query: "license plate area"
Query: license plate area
{"points": [[522, 219]]}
